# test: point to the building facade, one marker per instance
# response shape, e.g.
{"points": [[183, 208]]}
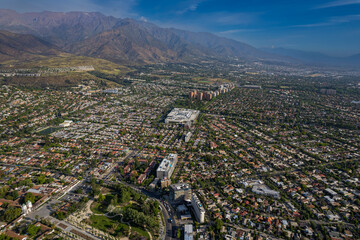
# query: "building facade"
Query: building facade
{"points": [[199, 209], [180, 192], [167, 166]]}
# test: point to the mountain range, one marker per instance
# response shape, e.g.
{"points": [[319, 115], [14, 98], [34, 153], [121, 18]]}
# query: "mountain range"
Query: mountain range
{"points": [[123, 41]]}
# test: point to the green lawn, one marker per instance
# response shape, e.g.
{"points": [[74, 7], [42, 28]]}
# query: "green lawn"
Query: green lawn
{"points": [[106, 224], [140, 232], [49, 130], [98, 208]]}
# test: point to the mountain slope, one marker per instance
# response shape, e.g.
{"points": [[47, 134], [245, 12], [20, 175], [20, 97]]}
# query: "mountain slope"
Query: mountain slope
{"points": [[129, 41], [220, 46], [125, 43], [24, 47], [58, 28]]}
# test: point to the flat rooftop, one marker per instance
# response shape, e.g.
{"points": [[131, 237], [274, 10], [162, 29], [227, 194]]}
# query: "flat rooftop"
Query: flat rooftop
{"points": [[180, 186], [165, 165], [167, 162], [182, 115]]}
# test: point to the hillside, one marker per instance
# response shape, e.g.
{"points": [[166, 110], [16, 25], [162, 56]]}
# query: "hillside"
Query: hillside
{"points": [[24, 47], [58, 28]]}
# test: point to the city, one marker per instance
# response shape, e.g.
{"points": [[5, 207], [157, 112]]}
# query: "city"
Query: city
{"points": [[183, 119], [236, 166]]}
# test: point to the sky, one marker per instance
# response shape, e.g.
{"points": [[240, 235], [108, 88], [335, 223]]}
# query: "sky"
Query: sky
{"points": [[331, 27]]}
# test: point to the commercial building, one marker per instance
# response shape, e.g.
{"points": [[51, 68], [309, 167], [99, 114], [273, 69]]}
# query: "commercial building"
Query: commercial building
{"points": [[328, 91], [180, 192], [165, 182], [167, 166], [188, 232], [182, 116], [111, 91], [262, 189], [66, 123], [252, 86], [188, 136], [199, 209]]}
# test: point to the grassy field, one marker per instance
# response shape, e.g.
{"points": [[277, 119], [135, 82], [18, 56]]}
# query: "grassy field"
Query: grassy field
{"points": [[140, 232], [67, 60], [66, 79], [210, 80], [49, 130], [112, 226], [97, 208]]}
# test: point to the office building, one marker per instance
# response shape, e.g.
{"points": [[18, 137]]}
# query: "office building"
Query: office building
{"points": [[188, 232], [180, 192], [199, 209], [167, 166], [188, 136]]}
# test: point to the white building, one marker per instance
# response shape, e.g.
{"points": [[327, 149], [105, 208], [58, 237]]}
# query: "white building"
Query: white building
{"points": [[262, 189], [199, 209], [330, 191], [188, 136], [26, 208], [188, 232], [167, 166], [66, 123], [182, 116]]}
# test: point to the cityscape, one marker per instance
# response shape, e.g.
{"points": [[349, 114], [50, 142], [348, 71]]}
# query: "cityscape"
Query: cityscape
{"points": [[181, 140]]}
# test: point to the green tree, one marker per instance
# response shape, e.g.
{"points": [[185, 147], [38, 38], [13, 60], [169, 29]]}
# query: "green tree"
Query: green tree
{"points": [[11, 213], [33, 230], [29, 197], [101, 198]]}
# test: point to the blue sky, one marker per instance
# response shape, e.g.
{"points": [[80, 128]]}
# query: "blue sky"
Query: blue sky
{"points": [[331, 27]]}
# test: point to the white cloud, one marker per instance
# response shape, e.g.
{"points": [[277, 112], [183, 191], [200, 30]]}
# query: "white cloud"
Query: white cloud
{"points": [[332, 21], [338, 3], [232, 31], [190, 6]]}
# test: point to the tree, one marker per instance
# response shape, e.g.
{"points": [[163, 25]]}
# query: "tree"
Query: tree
{"points": [[125, 196], [15, 194], [33, 230], [11, 213], [218, 225], [178, 234], [29, 197], [101, 198]]}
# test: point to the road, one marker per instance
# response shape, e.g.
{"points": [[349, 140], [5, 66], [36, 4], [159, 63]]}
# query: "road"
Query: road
{"points": [[69, 228], [45, 210]]}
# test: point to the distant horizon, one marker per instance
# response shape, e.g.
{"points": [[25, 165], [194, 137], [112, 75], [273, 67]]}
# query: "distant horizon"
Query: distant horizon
{"points": [[327, 27]]}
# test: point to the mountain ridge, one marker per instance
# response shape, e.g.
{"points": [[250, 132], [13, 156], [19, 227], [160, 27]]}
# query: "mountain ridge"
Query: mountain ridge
{"points": [[97, 35], [129, 41]]}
